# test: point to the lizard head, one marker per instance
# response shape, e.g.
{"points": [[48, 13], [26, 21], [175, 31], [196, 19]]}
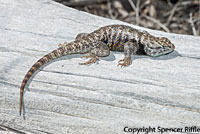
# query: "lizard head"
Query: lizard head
{"points": [[156, 42], [156, 46]]}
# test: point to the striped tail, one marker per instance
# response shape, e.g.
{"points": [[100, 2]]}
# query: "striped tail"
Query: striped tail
{"points": [[62, 51]]}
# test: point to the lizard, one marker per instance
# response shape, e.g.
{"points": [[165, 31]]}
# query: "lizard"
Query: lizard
{"points": [[100, 42]]}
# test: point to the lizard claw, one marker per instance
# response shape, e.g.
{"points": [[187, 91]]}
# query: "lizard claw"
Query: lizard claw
{"points": [[126, 62], [120, 60], [88, 56], [90, 61], [85, 57]]}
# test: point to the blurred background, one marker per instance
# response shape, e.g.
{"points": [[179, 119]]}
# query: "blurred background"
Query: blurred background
{"points": [[175, 16]]}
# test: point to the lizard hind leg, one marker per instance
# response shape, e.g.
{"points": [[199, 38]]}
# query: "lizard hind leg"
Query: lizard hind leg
{"points": [[101, 51]]}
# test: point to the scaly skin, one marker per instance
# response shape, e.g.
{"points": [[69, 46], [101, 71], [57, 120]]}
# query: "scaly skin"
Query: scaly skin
{"points": [[100, 42]]}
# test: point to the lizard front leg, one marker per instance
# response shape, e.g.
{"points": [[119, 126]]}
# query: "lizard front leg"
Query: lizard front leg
{"points": [[129, 48], [101, 51]]}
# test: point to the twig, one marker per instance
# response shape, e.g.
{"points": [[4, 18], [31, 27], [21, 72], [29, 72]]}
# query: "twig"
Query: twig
{"points": [[192, 25], [198, 23], [157, 22], [136, 9], [132, 4], [195, 20], [146, 3], [169, 12], [86, 9], [185, 3], [110, 10], [169, 3], [172, 13], [137, 13]]}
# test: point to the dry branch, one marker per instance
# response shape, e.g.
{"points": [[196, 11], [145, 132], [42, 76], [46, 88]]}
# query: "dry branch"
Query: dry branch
{"points": [[192, 25], [136, 9], [172, 13], [157, 22]]}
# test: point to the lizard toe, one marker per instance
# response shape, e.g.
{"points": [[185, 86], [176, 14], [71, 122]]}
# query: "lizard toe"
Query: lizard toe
{"points": [[90, 61], [126, 62]]}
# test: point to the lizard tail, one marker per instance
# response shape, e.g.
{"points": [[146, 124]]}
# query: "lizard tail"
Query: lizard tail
{"points": [[62, 51]]}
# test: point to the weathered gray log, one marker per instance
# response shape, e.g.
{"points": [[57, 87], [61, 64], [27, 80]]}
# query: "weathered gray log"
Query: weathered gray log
{"points": [[65, 97]]}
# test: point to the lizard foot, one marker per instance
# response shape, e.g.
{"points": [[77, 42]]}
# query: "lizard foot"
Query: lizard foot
{"points": [[126, 61], [90, 61]]}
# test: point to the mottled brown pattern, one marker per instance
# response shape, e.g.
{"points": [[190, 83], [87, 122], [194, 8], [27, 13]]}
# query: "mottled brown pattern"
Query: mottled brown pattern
{"points": [[98, 43]]}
